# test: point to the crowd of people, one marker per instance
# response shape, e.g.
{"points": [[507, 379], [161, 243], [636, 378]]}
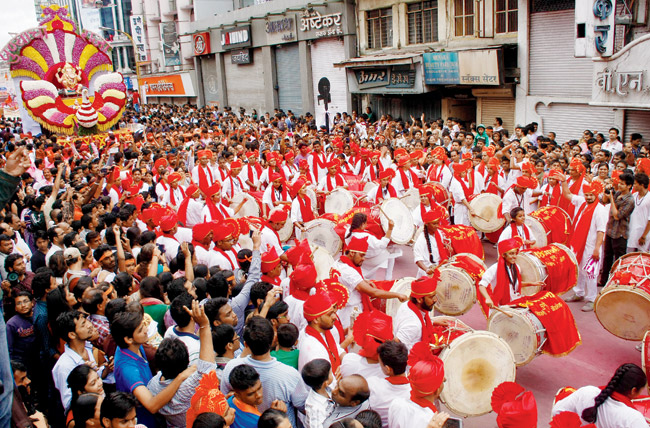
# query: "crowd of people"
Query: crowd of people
{"points": [[133, 289]]}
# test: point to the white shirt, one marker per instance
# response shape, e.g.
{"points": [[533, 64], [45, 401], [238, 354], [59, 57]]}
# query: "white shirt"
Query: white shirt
{"points": [[205, 257], [512, 200], [270, 239], [356, 364], [350, 278], [611, 414], [310, 349], [612, 146], [638, 221], [190, 340], [489, 280], [64, 365], [53, 249], [232, 186], [317, 409], [210, 178], [421, 251], [178, 197], [598, 224], [171, 247], [403, 413], [227, 262], [207, 216], [443, 171], [383, 393], [400, 186], [193, 215], [407, 327]]}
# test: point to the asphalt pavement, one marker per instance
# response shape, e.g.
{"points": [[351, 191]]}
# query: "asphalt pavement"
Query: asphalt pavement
{"points": [[591, 363]]}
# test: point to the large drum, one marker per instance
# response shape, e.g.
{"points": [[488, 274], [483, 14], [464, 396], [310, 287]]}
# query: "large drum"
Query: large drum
{"points": [[320, 232], [323, 261], [404, 228], [488, 218], [636, 264], [400, 286], [339, 201], [556, 223], [532, 270], [286, 231], [645, 353], [311, 193], [538, 231], [369, 186], [624, 310], [475, 364], [456, 290], [521, 329], [250, 208], [440, 194], [411, 198]]}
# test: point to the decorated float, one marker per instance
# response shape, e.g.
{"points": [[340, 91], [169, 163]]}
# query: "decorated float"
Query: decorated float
{"points": [[66, 78]]}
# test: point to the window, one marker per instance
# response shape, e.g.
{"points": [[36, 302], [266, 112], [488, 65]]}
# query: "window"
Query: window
{"points": [[464, 17], [423, 22], [506, 16], [380, 28]]}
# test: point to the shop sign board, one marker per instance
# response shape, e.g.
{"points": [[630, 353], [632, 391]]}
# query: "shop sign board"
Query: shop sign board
{"points": [[241, 56], [281, 30], [201, 43], [312, 21], [478, 67], [236, 38]]}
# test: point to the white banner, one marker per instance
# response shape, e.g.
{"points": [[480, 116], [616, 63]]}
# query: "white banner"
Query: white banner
{"points": [[139, 37]]}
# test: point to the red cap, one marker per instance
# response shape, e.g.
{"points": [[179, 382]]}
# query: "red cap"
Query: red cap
{"points": [[515, 407], [204, 154], [360, 245], [222, 230], [289, 156], [387, 173], [338, 292], [303, 277], [160, 162], [404, 160], [275, 176], [596, 187], [270, 260], [332, 164], [317, 305], [201, 230], [425, 286], [295, 254], [439, 153], [437, 212], [173, 177], [510, 244], [526, 182], [192, 190], [427, 371], [295, 187], [302, 164], [213, 190], [236, 164]]}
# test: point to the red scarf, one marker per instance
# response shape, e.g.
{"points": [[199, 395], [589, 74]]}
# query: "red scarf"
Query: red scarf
{"points": [[250, 170], [581, 230], [442, 249], [328, 343], [232, 185], [223, 253], [425, 321], [276, 280], [501, 293], [515, 232], [283, 192], [204, 183], [223, 173], [565, 203], [556, 195], [405, 181], [305, 208], [164, 185], [339, 328], [380, 193], [172, 197], [198, 244], [492, 184], [621, 398], [365, 299], [338, 178], [216, 212], [375, 170], [397, 380], [426, 404], [435, 173], [182, 210], [298, 293], [468, 191], [318, 162]]}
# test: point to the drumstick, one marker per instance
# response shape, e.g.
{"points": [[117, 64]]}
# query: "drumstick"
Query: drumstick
{"points": [[384, 212], [482, 218], [509, 315]]}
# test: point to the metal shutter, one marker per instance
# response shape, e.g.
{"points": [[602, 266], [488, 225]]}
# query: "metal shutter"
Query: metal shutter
{"points": [[287, 65], [324, 54], [553, 68], [568, 121], [491, 108], [245, 83], [209, 76], [637, 121]]}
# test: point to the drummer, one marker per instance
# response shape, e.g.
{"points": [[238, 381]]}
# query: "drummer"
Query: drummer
{"points": [[377, 255], [214, 209], [360, 290], [519, 195], [432, 246], [412, 322], [333, 179], [495, 182], [233, 184], [269, 232], [405, 178], [427, 203], [371, 172], [463, 187], [276, 194], [385, 189], [501, 283], [518, 228], [438, 171], [302, 208]]}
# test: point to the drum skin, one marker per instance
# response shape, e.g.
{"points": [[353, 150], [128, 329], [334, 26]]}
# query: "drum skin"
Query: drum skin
{"points": [[538, 231], [411, 198], [400, 286], [532, 270], [323, 262], [624, 310], [456, 291], [524, 333], [250, 208], [400, 214], [475, 364], [339, 201], [487, 218], [287, 231], [320, 232]]}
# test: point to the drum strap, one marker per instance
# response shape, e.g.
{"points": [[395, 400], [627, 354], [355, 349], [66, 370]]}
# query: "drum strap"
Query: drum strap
{"points": [[515, 232], [427, 326], [305, 208], [328, 343], [204, 183]]}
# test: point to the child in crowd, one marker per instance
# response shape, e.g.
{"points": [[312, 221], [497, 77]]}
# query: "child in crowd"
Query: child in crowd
{"points": [[287, 339], [317, 374]]}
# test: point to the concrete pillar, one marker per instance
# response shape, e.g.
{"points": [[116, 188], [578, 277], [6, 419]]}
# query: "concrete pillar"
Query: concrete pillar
{"points": [[270, 78], [200, 92], [306, 78], [222, 94]]}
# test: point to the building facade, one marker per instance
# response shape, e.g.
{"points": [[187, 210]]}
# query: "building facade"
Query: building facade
{"points": [[277, 55]]}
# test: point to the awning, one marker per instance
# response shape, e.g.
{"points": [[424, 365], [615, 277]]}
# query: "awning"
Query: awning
{"points": [[381, 59]]}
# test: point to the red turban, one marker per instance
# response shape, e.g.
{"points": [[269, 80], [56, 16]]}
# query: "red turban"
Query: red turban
{"points": [[278, 215], [236, 164], [201, 230], [404, 160], [526, 182], [274, 176], [317, 305], [302, 164], [494, 163], [204, 154], [192, 189], [213, 190], [173, 177], [338, 292], [371, 329], [510, 244], [425, 286], [400, 152], [332, 164], [160, 162], [270, 260], [515, 407], [595, 187], [439, 153], [556, 174], [437, 212], [295, 187], [295, 254], [222, 230], [303, 277], [168, 222], [360, 245], [375, 154], [387, 173], [427, 371]]}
